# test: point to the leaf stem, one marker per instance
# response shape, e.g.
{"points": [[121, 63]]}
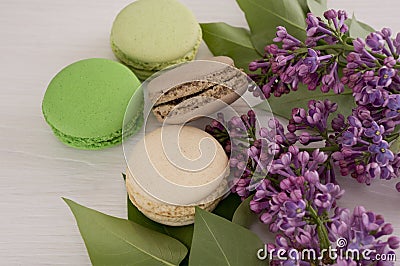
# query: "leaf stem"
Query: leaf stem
{"points": [[321, 228]]}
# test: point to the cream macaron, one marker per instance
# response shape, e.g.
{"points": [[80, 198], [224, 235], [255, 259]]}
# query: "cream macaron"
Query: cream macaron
{"points": [[172, 170]]}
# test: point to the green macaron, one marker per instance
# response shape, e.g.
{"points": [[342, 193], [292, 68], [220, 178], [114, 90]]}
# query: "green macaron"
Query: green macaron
{"points": [[85, 103], [150, 35]]}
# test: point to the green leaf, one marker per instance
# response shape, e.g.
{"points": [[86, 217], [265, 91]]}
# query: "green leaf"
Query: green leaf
{"points": [[317, 7], [304, 6], [282, 106], [359, 29], [227, 207], [184, 234], [244, 216], [114, 241], [217, 241], [395, 145], [223, 39], [263, 16]]}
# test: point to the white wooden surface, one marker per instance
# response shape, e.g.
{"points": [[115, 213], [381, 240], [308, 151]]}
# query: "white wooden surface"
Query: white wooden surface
{"points": [[38, 38]]}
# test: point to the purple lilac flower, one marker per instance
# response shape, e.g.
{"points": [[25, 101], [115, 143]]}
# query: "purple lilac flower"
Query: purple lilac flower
{"points": [[299, 192], [283, 69], [362, 230], [382, 152], [394, 106], [375, 132]]}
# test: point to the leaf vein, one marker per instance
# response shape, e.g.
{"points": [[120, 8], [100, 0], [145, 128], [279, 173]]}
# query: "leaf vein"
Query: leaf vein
{"points": [[216, 241], [229, 40]]}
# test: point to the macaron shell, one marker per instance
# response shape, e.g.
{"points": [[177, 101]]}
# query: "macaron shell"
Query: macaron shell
{"points": [[85, 102], [154, 31], [164, 213], [104, 141], [145, 69]]}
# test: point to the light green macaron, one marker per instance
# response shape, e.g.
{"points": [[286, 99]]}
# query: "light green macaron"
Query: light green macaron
{"points": [[85, 103], [150, 35]]}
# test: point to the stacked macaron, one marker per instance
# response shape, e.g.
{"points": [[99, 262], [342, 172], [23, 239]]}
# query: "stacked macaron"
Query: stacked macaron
{"points": [[150, 35]]}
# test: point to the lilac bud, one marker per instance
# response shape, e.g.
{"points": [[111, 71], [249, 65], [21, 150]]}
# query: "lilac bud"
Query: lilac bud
{"points": [[237, 122], [311, 176], [273, 123], [360, 169], [375, 41], [266, 218], [241, 165], [359, 45], [394, 242], [286, 159], [252, 118], [319, 157], [291, 137], [281, 32], [353, 57], [342, 14], [255, 206], [304, 138], [303, 157], [386, 32], [330, 14], [253, 66], [303, 70], [285, 184], [398, 186], [359, 211], [389, 61], [281, 241], [354, 121], [297, 194], [228, 148], [264, 133], [337, 156], [373, 169], [369, 75], [233, 162], [298, 115], [338, 123], [344, 28], [272, 49], [291, 128], [253, 152], [387, 229]]}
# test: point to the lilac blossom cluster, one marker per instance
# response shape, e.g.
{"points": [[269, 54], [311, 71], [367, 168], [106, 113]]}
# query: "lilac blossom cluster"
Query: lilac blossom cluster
{"points": [[311, 62], [296, 192], [370, 68], [295, 189], [357, 144]]}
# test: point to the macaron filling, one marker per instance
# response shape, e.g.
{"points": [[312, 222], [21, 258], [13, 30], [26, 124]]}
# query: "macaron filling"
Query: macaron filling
{"points": [[203, 90]]}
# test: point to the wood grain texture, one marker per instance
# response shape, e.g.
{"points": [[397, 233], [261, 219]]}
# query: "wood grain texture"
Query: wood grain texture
{"points": [[39, 38]]}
